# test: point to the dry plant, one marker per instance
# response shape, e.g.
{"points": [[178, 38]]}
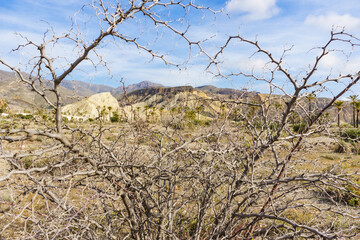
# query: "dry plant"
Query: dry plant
{"points": [[239, 178]]}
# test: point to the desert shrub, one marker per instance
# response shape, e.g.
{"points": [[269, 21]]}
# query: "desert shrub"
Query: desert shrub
{"points": [[115, 117], [350, 134], [274, 126], [342, 147], [22, 116], [27, 162], [179, 125], [197, 122], [345, 125], [355, 147], [329, 157], [190, 115], [299, 127], [350, 197], [347, 147], [353, 190], [207, 122]]}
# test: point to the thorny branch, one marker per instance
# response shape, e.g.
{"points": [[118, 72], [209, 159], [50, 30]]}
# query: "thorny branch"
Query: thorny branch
{"points": [[241, 176]]}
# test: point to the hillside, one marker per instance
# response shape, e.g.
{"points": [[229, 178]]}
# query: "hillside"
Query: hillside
{"points": [[145, 95], [20, 97], [227, 92], [185, 98], [86, 89], [101, 104]]}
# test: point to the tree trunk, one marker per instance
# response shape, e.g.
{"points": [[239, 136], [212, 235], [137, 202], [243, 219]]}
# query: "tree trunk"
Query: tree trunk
{"points": [[338, 118], [58, 116], [354, 120]]}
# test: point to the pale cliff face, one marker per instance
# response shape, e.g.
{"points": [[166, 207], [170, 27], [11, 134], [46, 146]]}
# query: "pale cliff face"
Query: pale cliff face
{"points": [[91, 107]]}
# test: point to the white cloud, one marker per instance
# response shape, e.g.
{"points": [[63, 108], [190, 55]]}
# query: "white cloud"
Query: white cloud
{"points": [[333, 20], [331, 61], [255, 9], [194, 76]]}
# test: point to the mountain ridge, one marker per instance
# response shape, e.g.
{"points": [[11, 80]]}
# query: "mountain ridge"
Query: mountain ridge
{"points": [[20, 97]]}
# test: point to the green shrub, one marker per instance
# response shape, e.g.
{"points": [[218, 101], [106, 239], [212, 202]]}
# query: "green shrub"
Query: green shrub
{"points": [[355, 147], [115, 117], [190, 115], [350, 134], [352, 200], [27, 116], [349, 197], [274, 126], [344, 146], [178, 125], [341, 147], [299, 127], [207, 122], [345, 125]]}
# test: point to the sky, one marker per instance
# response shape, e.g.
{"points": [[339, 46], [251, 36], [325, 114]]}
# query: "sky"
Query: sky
{"points": [[301, 25]]}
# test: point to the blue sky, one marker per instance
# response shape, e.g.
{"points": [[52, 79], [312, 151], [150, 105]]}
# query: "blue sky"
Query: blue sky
{"points": [[276, 24]]}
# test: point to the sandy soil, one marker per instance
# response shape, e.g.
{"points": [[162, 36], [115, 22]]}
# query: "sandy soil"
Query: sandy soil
{"points": [[4, 167]]}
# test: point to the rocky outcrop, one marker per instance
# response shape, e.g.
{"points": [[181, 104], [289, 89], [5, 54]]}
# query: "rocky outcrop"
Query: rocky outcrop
{"points": [[102, 104], [162, 91]]}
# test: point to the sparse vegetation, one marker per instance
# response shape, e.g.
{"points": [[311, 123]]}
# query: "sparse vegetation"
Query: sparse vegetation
{"points": [[115, 117], [27, 116], [299, 127], [245, 167], [350, 134]]}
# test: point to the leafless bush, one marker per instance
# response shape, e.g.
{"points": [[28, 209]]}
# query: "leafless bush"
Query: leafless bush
{"points": [[241, 177]]}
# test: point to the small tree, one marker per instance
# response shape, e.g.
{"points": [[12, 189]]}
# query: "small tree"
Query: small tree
{"points": [[161, 110], [146, 108], [357, 106], [310, 97], [353, 99], [115, 117], [339, 106], [198, 110]]}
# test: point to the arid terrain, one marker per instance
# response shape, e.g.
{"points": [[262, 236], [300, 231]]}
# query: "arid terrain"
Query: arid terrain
{"points": [[183, 138], [270, 152]]}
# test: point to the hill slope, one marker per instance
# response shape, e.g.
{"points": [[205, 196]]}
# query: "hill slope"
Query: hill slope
{"points": [[20, 97], [92, 107]]}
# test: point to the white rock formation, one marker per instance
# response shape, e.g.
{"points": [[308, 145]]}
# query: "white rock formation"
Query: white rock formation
{"points": [[92, 107]]}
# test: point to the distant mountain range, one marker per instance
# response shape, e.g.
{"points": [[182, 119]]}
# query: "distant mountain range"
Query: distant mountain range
{"points": [[85, 89], [19, 96]]}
